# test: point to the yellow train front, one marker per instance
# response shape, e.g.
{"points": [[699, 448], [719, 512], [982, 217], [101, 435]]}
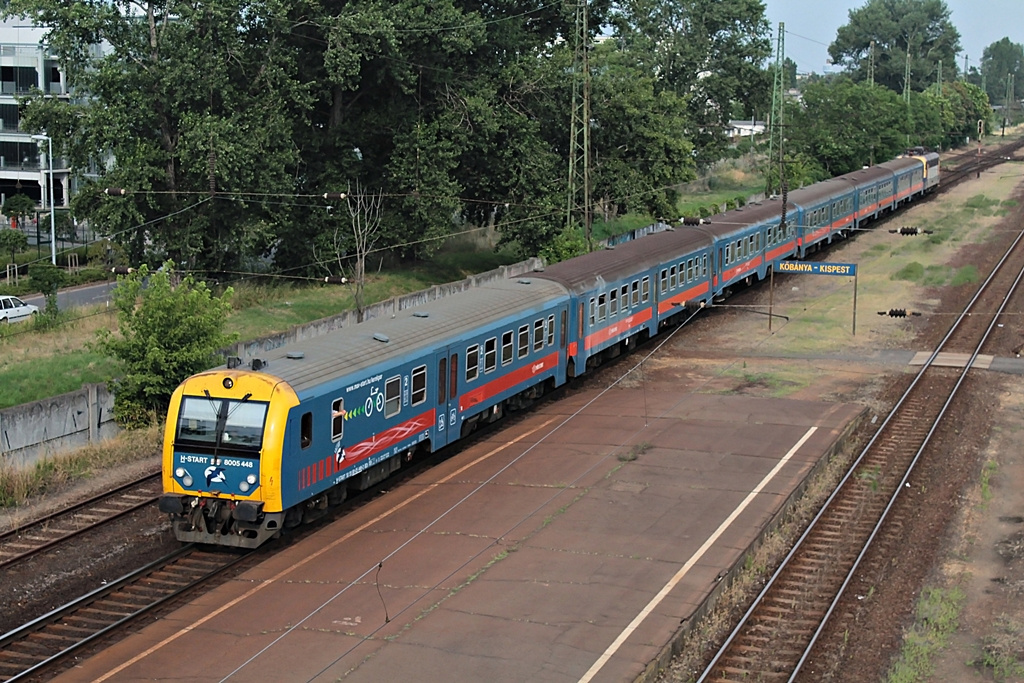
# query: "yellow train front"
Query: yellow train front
{"points": [[225, 433]]}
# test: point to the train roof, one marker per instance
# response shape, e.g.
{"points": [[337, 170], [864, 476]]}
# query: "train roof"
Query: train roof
{"points": [[755, 213], [901, 164], [584, 272], [359, 348]]}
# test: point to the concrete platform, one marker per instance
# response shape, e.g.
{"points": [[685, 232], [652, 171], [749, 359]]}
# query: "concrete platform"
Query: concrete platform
{"points": [[568, 548]]}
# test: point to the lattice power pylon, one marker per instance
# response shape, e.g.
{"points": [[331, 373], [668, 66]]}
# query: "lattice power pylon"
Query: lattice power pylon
{"points": [[775, 133], [579, 210]]}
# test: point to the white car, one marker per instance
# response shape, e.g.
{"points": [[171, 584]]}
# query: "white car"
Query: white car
{"points": [[13, 309]]}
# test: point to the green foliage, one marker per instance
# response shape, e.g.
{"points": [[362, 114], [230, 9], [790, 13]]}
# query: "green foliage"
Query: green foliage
{"points": [[964, 276], [12, 241], [912, 272], [678, 39], [569, 243], [938, 615], [923, 26], [845, 125], [999, 60], [47, 278], [19, 207], [167, 331]]}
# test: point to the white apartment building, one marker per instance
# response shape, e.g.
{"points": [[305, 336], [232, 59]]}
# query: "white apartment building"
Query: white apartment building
{"points": [[26, 64]]}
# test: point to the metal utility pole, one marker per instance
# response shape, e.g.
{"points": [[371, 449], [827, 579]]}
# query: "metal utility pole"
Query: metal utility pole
{"points": [[940, 78], [906, 94], [775, 119], [963, 76], [871, 65], [579, 207]]}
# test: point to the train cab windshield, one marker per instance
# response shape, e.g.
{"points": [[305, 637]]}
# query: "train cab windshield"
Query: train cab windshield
{"points": [[210, 425]]}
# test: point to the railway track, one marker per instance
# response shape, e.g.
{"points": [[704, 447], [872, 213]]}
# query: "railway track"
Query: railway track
{"points": [[42, 534], [777, 634], [32, 651]]}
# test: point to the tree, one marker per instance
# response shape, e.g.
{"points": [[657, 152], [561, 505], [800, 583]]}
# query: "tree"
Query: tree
{"points": [[48, 278], [846, 125], [364, 223], [1000, 59], [708, 52], [19, 207], [922, 27], [193, 101], [166, 332], [13, 241]]}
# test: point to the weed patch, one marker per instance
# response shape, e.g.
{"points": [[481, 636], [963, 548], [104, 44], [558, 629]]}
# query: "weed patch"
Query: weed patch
{"points": [[912, 272], [938, 614]]}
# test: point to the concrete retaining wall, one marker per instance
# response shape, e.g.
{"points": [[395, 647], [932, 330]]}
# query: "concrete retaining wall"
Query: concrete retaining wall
{"points": [[31, 431], [253, 349]]}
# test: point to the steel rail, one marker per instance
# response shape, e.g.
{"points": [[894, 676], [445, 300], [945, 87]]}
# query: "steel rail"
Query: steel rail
{"points": [[812, 527], [51, 524]]}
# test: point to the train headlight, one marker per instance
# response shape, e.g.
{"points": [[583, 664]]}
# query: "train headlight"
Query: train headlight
{"points": [[251, 479], [228, 383], [243, 487], [180, 472]]}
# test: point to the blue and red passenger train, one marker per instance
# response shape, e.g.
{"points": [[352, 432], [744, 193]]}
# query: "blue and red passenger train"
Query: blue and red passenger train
{"points": [[249, 451]]}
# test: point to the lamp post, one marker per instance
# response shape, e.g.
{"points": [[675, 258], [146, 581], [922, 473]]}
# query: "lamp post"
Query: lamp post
{"points": [[53, 232]]}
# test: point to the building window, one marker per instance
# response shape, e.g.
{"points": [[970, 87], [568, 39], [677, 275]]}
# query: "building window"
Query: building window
{"points": [[419, 385], [337, 419]]}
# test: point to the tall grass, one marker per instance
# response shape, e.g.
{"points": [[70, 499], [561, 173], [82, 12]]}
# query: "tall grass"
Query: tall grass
{"points": [[55, 471]]}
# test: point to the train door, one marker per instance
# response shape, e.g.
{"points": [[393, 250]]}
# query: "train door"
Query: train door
{"points": [[448, 418]]}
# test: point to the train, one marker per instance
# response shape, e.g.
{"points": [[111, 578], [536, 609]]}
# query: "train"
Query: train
{"points": [[252, 450]]}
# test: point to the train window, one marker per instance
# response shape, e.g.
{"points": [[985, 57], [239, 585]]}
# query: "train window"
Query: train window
{"points": [[565, 326], [419, 385], [524, 340], [442, 381], [538, 334], [506, 348], [624, 297], [472, 362], [689, 270], [306, 430], [551, 330], [393, 396], [490, 354], [704, 265], [593, 311], [602, 307], [728, 254], [664, 281], [613, 302], [635, 293], [740, 249], [771, 235], [672, 277], [337, 419], [645, 290]]}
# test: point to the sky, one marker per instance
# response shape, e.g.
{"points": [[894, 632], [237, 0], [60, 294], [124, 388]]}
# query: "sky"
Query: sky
{"points": [[811, 26]]}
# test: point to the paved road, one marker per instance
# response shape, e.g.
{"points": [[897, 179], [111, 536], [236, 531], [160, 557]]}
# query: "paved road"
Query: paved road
{"points": [[86, 295]]}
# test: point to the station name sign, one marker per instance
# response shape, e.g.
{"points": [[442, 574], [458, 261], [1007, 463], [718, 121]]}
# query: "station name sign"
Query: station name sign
{"points": [[817, 268]]}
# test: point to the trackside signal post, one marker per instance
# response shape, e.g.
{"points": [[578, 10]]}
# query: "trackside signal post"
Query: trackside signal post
{"points": [[821, 268]]}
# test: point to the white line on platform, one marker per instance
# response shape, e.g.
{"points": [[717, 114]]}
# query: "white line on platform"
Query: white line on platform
{"points": [[663, 593]]}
